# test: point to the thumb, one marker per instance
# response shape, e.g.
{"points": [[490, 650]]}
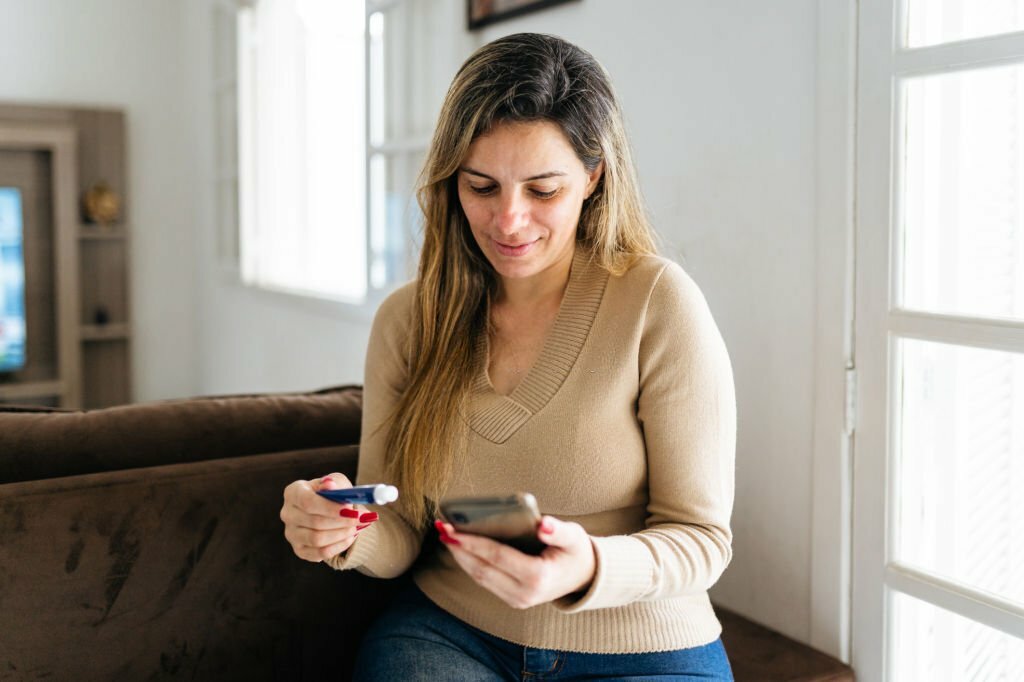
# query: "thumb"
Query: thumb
{"points": [[556, 533], [332, 481]]}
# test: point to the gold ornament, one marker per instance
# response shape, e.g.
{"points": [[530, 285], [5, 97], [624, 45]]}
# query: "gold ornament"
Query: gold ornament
{"points": [[101, 204]]}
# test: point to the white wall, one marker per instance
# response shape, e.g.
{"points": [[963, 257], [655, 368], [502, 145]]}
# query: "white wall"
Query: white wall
{"points": [[126, 54]]}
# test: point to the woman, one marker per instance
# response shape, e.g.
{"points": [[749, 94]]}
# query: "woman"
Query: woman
{"points": [[543, 347]]}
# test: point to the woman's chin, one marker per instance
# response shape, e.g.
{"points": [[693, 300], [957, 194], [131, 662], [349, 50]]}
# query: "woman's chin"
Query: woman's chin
{"points": [[523, 264], [513, 270]]}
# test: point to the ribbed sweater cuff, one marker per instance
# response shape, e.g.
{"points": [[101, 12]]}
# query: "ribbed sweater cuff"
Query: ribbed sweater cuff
{"points": [[624, 574]]}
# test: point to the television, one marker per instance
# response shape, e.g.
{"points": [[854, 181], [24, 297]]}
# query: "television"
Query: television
{"points": [[12, 281]]}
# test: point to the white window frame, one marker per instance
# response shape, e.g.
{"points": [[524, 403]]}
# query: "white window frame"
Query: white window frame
{"points": [[835, 374], [394, 98], [882, 62]]}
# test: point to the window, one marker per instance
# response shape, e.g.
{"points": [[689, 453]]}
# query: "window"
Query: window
{"points": [[404, 62], [938, 516], [302, 180], [321, 135]]}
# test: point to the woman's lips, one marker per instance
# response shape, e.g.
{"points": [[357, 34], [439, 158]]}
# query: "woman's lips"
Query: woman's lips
{"points": [[514, 250]]}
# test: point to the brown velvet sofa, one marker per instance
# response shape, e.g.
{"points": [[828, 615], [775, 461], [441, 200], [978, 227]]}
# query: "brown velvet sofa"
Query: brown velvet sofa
{"points": [[142, 542]]}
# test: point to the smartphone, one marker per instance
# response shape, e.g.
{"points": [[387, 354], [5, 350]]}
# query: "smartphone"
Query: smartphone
{"points": [[512, 519]]}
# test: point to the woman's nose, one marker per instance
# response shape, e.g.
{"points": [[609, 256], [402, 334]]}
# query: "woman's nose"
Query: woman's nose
{"points": [[512, 213]]}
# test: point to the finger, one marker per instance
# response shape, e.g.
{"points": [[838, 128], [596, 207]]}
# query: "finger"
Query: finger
{"points": [[557, 533], [318, 554], [328, 551], [332, 481], [301, 495], [306, 499], [500, 556], [510, 589], [319, 538], [323, 531], [307, 553], [293, 516], [335, 549]]}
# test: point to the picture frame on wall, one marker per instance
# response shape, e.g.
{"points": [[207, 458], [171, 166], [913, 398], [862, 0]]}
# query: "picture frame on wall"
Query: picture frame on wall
{"points": [[481, 13]]}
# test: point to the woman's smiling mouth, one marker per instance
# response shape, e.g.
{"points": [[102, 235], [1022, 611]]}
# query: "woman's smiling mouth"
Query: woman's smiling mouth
{"points": [[514, 249]]}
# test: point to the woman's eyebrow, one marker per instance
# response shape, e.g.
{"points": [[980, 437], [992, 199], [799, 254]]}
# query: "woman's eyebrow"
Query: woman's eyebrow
{"points": [[542, 176]]}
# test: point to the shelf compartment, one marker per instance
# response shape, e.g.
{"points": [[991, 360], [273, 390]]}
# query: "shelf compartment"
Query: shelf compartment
{"points": [[105, 373], [104, 277]]}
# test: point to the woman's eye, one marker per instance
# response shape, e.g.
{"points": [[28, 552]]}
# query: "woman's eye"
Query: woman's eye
{"points": [[484, 191]]}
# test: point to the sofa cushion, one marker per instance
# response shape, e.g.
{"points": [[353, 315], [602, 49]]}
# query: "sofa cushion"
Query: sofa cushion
{"points": [[37, 443]]}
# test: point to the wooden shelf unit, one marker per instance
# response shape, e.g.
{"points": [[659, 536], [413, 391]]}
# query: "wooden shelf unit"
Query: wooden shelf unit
{"points": [[77, 274]]}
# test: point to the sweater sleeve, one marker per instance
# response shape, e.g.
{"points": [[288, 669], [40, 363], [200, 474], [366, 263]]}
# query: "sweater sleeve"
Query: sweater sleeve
{"points": [[388, 547], [687, 411]]}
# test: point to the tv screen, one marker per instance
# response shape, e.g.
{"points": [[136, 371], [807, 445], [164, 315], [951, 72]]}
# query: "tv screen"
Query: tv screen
{"points": [[12, 281]]}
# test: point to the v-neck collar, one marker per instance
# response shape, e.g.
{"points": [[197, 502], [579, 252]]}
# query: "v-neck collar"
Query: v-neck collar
{"points": [[496, 417]]}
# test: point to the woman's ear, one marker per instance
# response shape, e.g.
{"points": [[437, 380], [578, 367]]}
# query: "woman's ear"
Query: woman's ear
{"points": [[594, 178]]}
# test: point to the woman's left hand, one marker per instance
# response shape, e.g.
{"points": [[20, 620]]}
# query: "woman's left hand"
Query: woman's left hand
{"points": [[565, 566]]}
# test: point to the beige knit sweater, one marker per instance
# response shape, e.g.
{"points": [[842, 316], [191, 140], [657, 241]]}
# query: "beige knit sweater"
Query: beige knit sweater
{"points": [[626, 425]]}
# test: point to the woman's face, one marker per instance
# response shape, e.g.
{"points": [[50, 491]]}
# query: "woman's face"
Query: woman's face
{"points": [[522, 189]]}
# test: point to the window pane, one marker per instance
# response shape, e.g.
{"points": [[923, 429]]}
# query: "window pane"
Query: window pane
{"points": [[375, 26], [929, 643], [395, 216], [303, 163], [930, 22], [960, 459], [963, 193]]}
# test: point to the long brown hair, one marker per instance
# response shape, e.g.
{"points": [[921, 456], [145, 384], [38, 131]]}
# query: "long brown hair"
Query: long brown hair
{"points": [[519, 78]]}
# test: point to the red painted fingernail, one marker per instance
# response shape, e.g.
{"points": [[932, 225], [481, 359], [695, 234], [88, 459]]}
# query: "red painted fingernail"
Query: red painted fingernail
{"points": [[368, 517], [365, 525], [547, 527], [349, 513], [449, 540], [439, 525]]}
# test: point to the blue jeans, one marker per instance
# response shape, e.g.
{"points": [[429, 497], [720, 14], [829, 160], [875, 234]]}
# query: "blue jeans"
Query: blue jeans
{"points": [[416, 640]]}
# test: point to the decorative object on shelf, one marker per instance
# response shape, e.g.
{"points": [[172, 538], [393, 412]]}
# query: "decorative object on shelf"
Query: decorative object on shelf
{"points": [[101, 315], [484, 12], [101, 205]]}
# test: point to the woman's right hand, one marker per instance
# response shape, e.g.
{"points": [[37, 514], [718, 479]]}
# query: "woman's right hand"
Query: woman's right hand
{"points": [[317, 528]]}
